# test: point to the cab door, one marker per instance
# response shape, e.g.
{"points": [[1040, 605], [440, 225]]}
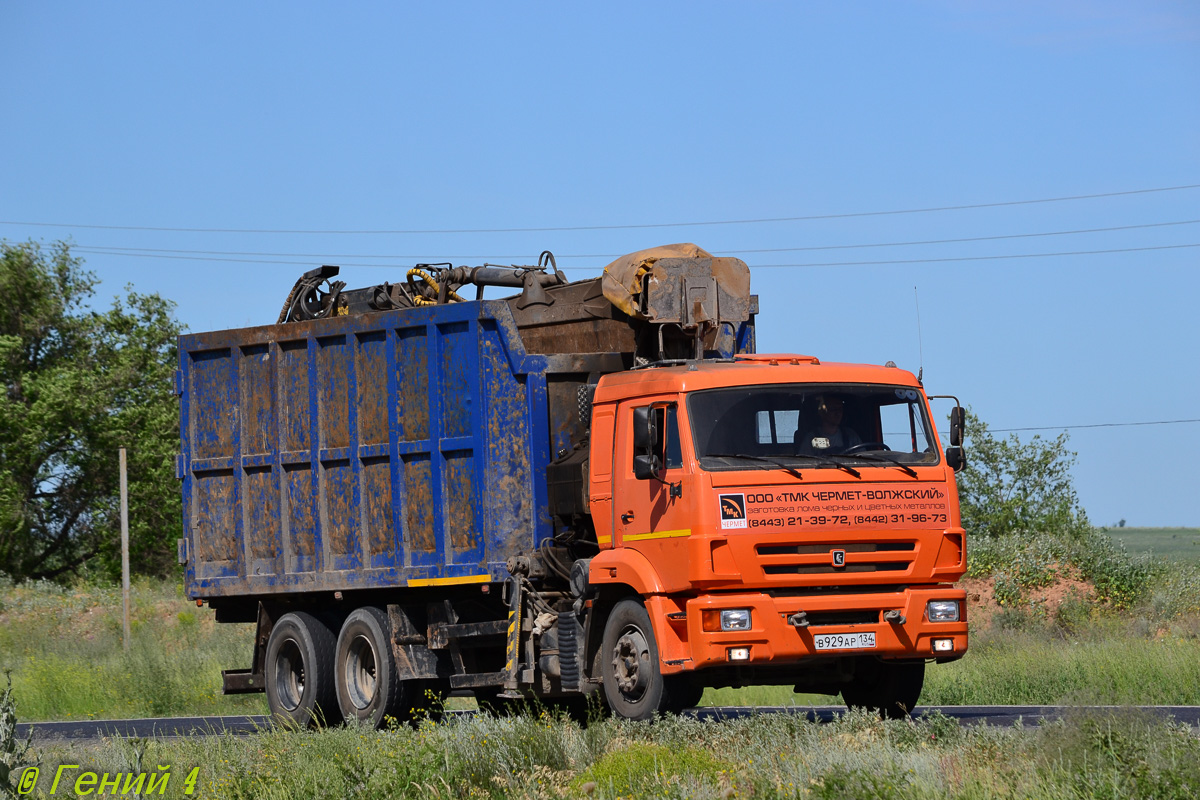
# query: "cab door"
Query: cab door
{"points": [[654, 515]]}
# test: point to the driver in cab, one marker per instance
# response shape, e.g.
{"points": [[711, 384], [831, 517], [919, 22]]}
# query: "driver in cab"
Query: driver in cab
{"points": [[829, 436]]}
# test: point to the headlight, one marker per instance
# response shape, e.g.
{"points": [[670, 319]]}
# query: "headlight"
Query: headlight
{"points": [[942, 611], [735, 619]]}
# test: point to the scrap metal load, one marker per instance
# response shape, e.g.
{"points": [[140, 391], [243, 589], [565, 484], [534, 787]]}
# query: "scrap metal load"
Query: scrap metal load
{"points": [[666, 303]]}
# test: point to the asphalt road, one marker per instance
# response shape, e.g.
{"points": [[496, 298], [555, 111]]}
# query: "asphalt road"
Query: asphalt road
{"points": [[209, 726]]}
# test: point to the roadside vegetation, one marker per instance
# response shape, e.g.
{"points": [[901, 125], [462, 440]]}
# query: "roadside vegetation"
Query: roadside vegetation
{"points": [[77, 385], [1112, 754], [64, 647]]}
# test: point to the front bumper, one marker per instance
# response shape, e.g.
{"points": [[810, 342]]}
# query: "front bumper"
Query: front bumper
{"points": [[772, 640]]}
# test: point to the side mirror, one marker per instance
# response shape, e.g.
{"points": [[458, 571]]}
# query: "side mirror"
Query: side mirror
{"points": [[646, 467], [646, 463], [958, 419], [644, 430], [956, 458]]}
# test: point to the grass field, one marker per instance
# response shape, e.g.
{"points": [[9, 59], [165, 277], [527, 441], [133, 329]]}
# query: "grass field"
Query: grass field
{"points": [[1116, 754], [64, 647], [1181, 544]]}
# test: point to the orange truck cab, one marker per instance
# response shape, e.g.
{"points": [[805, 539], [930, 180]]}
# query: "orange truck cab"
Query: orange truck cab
{"points": [[781, 521]]}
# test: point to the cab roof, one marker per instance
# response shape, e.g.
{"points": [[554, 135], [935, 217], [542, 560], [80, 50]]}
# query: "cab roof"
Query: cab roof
{"points": [[745, 370]]}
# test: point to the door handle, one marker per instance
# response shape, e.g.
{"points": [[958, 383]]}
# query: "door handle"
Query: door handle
{"points": [[627, 517]]}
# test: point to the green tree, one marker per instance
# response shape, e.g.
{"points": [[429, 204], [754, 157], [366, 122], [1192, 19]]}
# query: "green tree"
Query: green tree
{"points": [[75, 385], [1015, 487]]}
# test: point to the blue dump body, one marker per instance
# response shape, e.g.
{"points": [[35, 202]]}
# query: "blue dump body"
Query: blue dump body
{"points": [[356, 452]]}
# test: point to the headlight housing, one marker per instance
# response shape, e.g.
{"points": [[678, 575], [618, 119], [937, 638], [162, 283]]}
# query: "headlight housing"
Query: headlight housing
{"points": [[942, 611]]}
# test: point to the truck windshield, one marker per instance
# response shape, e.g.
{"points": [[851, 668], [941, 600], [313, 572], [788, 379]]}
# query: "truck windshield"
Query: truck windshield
{"points": [[810, 425]]}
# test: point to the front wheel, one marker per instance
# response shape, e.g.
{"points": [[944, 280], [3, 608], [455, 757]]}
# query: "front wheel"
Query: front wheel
{"points": [[890, 688], [299, 670], [633, 682]]}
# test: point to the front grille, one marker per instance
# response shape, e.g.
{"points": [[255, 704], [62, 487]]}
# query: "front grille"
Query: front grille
{"points": [[827, 548], [817, 558], [829, 569]]}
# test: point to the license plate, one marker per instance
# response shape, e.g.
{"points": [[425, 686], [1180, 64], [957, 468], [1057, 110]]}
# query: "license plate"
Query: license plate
{"points": [[844, 641]]}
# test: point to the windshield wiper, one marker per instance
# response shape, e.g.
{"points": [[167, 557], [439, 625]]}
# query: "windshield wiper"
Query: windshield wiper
{"points": [[776, 462], [820, 462], [823, 461], [881, 458]]}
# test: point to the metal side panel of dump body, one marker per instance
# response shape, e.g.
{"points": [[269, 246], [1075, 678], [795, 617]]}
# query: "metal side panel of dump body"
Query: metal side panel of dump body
{"points": [[361, 451]]}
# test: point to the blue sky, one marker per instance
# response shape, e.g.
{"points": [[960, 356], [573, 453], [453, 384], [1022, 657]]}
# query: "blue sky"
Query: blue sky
{"points": [[433, 117]]}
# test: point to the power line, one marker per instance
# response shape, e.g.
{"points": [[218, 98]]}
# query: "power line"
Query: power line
{"points": [[98, 249], [975, 258], [811, 217], [967, 239], [223, 260], [117, 250], [752, 266], [1096, 425]]}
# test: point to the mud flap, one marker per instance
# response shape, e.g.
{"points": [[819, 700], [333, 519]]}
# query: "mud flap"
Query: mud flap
{"points": [[414, 659]]}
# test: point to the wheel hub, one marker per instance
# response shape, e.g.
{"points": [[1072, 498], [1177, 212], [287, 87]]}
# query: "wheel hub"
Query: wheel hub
{"points": [[361, 672], [289, 675], [630, 662]]}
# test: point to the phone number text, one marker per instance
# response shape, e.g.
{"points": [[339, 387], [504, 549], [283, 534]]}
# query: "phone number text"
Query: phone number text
{"points": [[849, 519]]}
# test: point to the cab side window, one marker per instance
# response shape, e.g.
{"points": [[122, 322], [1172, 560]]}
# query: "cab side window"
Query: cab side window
{"points": [[670, 428]]}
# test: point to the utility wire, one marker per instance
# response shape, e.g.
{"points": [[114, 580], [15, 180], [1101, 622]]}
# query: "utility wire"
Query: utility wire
{"points": [[97, 249], [1096, 425], [752, 266], [973, 258], [810, 217], [967, 239]]}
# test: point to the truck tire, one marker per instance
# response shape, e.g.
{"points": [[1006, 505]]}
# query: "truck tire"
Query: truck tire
{"points": [[633, 682], [299, 671], [368, 689], [889, 688]]}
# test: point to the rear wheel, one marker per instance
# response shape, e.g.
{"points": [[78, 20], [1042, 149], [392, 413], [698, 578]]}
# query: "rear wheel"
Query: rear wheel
{"points": [[299, 670], [633, 682], [889, 688], [365, 674]]}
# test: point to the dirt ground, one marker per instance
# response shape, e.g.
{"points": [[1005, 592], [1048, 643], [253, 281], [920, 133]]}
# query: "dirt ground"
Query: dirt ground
{"points": [[982, 607]]}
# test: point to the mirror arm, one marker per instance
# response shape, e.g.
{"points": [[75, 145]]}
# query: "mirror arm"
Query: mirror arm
{"points": [[958, 416], [675, 488]]}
